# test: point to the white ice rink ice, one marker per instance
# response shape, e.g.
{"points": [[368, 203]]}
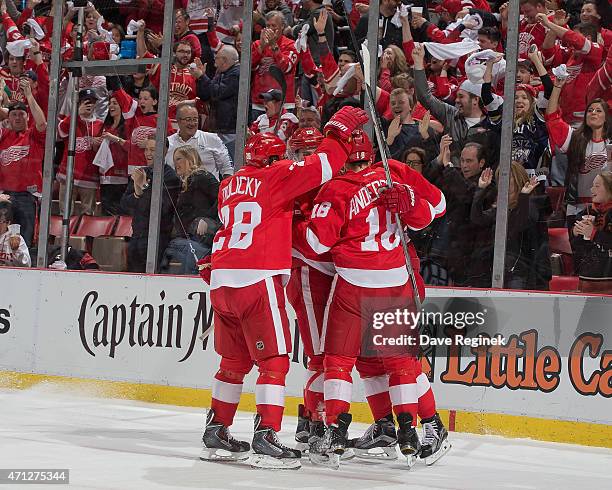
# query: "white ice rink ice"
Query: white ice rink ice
{"points": [[117, 444]]}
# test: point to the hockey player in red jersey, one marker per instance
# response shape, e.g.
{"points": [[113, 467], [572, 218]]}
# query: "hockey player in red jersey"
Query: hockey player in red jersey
{"points": [[352, 219], [251, 263], [308, 291]]}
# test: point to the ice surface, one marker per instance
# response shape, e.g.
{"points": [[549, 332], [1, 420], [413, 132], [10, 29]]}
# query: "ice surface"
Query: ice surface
{"points": [[117, 444]]}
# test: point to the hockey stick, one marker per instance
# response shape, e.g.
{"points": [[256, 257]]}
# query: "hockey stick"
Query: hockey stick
{"points": [[384, 152], [279, 76]]}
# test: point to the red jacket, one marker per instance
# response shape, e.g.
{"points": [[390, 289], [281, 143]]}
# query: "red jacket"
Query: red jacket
{"points": [[21, 160], [86, 174], [285, 58], [582, 58]]}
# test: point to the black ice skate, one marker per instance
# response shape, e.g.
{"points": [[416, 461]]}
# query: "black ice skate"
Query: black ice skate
{"points": [[407, 438], [219, 445], [303, 430], [329, 450], [378, 442], [269, 453], [435, 440]]}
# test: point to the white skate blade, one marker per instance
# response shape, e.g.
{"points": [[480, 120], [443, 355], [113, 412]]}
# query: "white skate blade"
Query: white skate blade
{"points": [[331, 460], [444, 448], [302, 446], [216, 454], [377, 453], [411, 460], [348, 454], [271, 463]]}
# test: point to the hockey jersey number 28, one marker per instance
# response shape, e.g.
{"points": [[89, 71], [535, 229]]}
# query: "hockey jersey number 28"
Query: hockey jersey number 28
{"points": [[256, 209]]}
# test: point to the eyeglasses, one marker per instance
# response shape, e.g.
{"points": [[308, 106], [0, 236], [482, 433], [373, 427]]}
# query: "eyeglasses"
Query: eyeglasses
{"points": [[414, 163], [183, 51]]}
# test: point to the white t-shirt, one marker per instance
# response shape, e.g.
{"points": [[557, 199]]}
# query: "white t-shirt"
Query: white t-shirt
{"points": [[14, 258], [212, 151]]}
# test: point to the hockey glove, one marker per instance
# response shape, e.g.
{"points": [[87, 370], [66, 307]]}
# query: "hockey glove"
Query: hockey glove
{"points": [[398, 199], [344, 122]]}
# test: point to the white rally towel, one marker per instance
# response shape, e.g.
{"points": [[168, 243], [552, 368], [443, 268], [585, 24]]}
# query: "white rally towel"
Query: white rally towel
{"points": [[476, 63], [132, 27], [18, 48], [104, 157], [453, 50], [301, 44], [39, 34], [350, 73]]}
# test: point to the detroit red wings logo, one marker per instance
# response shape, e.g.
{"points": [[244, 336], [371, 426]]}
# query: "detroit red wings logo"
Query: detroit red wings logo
{"points": [[525, 40], [13, 154], [573, 72], [83, 144], [141, 134], [594, 162]]}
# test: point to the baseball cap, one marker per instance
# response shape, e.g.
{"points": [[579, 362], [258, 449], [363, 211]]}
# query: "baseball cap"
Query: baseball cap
{"points": [[272, 94], [87, 93], [453, 7], [31, 74], [525, 63]]}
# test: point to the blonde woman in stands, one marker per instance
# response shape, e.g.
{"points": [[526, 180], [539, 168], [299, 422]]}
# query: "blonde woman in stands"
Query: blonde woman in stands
{"points": [[196, 219], [592, 239]]}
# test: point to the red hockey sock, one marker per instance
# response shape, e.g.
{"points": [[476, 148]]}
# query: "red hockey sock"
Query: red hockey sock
{"points": [[402, 385], [270, 390], [375, 385], [227, 388], [427, 401], [313, 388], [338, 385]]}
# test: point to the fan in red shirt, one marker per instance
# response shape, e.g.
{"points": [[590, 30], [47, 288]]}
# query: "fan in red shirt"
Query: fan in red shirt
{"points": [[140, 120], [530, 30], [251, 263], [22, 150], [582, 57], [352, 219], [273, 49], [182, 83], [88, 138]]}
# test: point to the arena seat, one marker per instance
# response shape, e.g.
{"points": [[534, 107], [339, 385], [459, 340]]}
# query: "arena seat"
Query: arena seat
{"points": [[556, 196], [558, 242], [124, 227], [55, 226], [94, 226], [564, 283], [91, 227]]}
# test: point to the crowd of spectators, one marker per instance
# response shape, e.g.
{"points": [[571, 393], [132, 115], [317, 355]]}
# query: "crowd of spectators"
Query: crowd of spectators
{"points": [[440, 96]]}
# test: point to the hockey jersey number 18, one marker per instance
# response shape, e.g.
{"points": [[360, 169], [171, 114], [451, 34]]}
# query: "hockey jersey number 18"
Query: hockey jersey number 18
{"points": [[364, 240]]}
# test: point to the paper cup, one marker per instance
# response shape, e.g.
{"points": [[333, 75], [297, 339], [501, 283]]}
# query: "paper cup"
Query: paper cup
{"points": [[590, 219], [14, 230], [417, 10]]}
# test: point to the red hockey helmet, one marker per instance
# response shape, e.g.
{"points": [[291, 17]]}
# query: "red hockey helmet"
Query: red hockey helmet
{"points": [[361, 150], [305, 138], [261, 148]]}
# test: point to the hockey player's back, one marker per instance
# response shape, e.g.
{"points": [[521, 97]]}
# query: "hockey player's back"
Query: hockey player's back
{"points": [[256, 208], [362, 235]]}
